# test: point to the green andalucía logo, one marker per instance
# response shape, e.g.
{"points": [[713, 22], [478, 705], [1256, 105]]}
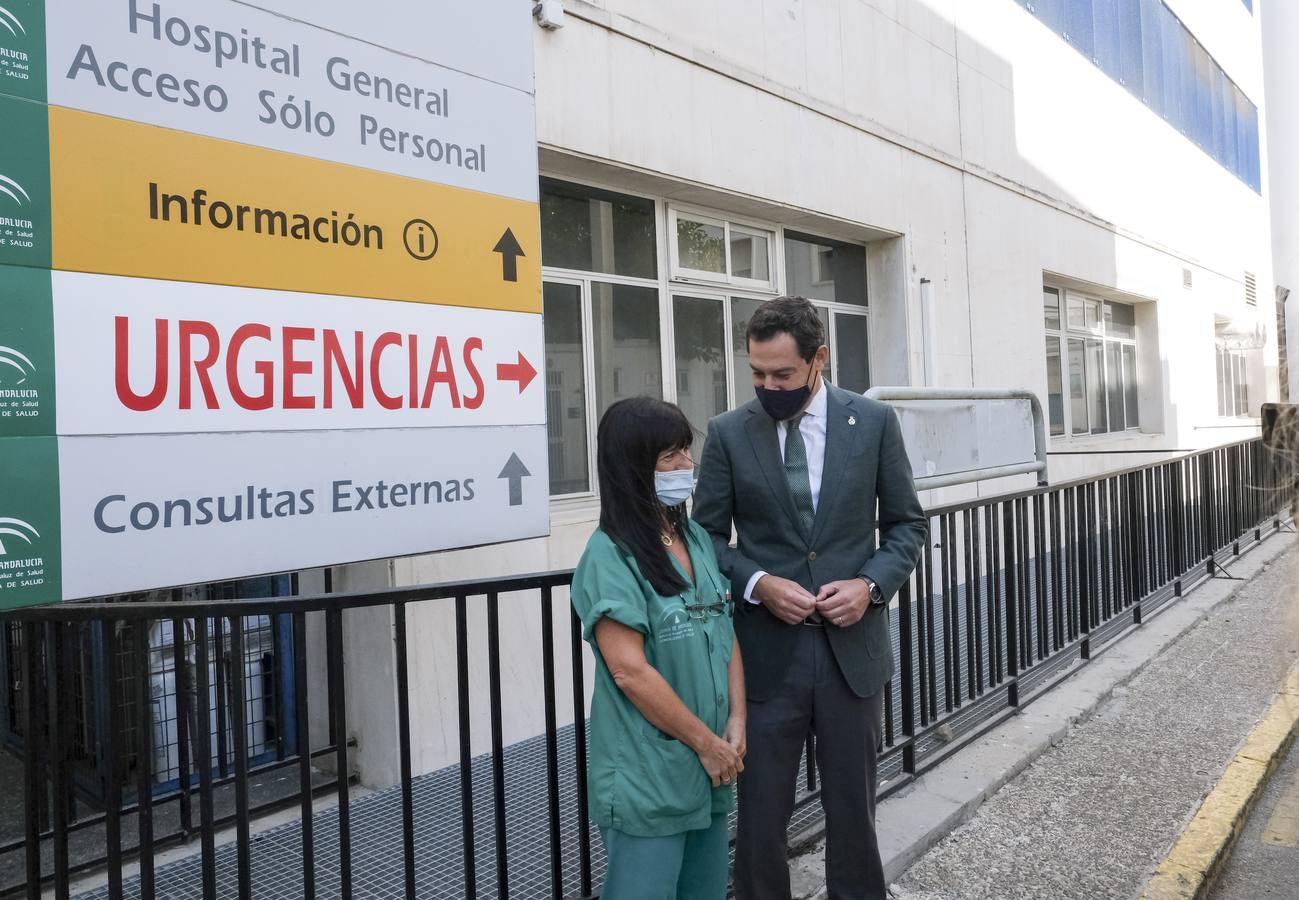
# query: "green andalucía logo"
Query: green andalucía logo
{"points": [[30, 536], [22, 48], [15, 528], [24, 183], [26, 352]]}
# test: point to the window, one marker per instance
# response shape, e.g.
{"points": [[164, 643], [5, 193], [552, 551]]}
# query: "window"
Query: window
{"points": [[601, 315], [597, 231], [711, 249], [1091, 354], [615, 327], [1143, 46], [1233, 381]]}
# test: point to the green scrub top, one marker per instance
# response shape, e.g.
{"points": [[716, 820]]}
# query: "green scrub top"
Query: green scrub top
{"points": [[641, 781]]}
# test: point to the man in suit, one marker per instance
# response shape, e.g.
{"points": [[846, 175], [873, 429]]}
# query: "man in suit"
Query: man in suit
{"points": [[806, 473]]}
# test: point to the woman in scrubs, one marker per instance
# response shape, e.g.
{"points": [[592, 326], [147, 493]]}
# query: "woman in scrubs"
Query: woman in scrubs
{"points": [[668, 712]]}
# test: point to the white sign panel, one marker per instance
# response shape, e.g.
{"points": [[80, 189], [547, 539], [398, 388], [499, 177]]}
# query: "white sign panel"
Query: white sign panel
{"points": [[947, 437], [142, 356], [144, 511], [487, 38], [226, 70]]}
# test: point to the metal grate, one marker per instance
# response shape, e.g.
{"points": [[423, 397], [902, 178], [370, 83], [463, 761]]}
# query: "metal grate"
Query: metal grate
{"points": [[1251, 289]]}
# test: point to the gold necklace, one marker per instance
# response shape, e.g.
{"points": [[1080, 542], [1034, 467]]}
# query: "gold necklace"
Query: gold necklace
{"points": [[666, 539]]}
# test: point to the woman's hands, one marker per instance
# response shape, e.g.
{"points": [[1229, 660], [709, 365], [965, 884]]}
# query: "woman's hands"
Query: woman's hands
{"points": [[720, 759]]}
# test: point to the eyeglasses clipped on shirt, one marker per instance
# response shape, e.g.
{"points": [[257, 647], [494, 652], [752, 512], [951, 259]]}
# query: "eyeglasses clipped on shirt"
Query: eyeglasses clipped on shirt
{"points": [[704, 610]]}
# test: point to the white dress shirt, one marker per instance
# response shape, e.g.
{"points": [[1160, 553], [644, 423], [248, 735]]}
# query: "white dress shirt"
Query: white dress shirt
{"points": [[812, 428]]}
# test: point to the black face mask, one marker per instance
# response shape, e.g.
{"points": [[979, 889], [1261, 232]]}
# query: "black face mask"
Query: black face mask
{"points": [[782, 405]]}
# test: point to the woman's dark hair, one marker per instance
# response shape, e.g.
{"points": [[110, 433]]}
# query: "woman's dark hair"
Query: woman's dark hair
{"points": [[793, 316], [633, 434]]}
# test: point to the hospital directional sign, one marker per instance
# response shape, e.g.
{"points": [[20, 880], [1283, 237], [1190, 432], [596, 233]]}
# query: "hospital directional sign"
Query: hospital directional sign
{"points": [[270, 291]]}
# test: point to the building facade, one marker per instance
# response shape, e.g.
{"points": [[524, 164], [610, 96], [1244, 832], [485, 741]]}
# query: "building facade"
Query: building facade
{"points": [[1068, 196]]}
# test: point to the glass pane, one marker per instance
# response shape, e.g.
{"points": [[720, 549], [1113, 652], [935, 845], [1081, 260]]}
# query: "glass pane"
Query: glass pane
{"points": [[742, 309], [1114, 385], [1228, 102], [597, 231], [699, 333], [1105, 36], [1242, 387], [625, 322], [1152, 53], [1190, 106], [1093, 315], [1218, 114], [1224, 390], [565, 389], [1078, 388], [824, 269], [1130, 385], [1121, 320], [852, 352], [1051, 309], [1131, 39], [1096, 386], [1054, 386], [1204, 86], [1054, 13], [834, 356], [1078, 25], [1075, 313], [1174, 50], [750, 256], [701, 246]]}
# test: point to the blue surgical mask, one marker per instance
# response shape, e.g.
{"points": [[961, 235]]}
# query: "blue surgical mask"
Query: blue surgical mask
{"points": [[675, 487]]}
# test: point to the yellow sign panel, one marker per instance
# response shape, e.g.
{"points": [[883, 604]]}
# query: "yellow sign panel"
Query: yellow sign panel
{"points": [[133, 199]]}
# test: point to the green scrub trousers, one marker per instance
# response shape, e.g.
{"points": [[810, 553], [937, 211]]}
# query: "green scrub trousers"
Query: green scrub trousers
{"points": [[691, 865]]}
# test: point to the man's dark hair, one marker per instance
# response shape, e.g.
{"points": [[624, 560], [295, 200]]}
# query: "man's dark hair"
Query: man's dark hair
{"points": [[632, 434], [793, 316]]}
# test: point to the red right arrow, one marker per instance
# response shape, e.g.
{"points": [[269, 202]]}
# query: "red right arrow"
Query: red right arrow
{"points": [[521, 371]]}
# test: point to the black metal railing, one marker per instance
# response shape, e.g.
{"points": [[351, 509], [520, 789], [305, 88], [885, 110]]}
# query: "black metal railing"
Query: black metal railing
{"points": [[1012, 593]]}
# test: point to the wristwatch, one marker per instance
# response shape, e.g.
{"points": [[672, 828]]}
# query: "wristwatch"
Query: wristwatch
{"points": [[877, 596]]}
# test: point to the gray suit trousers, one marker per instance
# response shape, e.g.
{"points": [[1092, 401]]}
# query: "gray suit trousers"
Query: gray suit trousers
{"points": [[814, 697]]}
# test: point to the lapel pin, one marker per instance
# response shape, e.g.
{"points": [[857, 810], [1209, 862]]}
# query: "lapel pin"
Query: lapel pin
{"points": [[852, 420]]}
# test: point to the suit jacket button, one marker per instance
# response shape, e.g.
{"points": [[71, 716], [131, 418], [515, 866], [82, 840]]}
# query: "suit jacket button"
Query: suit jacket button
{"points": [[812, 556]]}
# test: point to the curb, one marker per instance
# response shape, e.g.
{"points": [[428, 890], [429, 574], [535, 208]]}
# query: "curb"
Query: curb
{"points": [[1192, 865]]}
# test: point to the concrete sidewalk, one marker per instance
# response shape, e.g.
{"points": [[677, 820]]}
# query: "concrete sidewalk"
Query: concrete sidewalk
{"points": [[1083, 793]]}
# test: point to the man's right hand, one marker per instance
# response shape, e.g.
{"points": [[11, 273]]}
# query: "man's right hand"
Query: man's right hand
{"points": [[785, 599]]}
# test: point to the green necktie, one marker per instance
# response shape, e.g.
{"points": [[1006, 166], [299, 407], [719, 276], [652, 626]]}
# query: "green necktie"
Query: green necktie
{"points": [[800, 483]]}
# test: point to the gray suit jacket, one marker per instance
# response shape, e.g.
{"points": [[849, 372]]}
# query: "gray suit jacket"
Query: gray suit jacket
{"points": [[866, 484]]}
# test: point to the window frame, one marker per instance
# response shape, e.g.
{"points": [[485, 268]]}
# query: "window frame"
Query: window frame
{"points": [[1087, 336], [1234, 363], [678, 272]]}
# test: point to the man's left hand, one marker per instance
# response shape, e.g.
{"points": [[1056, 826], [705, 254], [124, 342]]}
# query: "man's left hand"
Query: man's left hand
{"points": [[843, 603]]}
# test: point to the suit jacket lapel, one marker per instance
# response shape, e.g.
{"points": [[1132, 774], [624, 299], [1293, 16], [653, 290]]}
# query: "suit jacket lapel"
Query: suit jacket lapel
{"points": [[766, 447], [838, 444]]}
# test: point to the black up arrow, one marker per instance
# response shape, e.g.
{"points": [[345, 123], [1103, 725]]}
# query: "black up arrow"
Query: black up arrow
{"points": [[508, 247], [515, 471]]}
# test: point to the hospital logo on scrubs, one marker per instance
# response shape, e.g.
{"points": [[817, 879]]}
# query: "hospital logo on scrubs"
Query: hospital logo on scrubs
{"points": [[674, 625], [676, 615]]}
